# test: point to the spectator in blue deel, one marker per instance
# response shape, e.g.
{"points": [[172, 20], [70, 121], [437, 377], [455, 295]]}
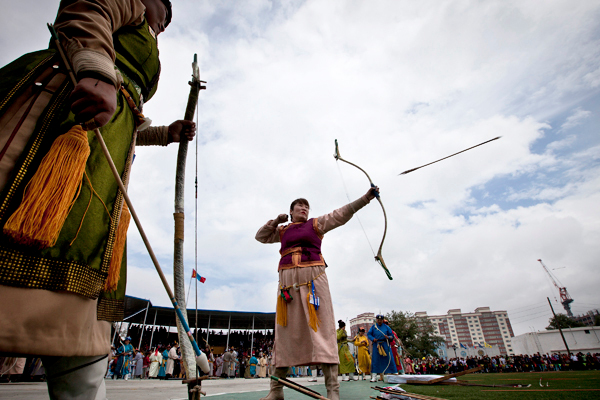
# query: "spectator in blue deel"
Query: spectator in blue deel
{"points": [[253, 363], [124, 353], [382, 360]]}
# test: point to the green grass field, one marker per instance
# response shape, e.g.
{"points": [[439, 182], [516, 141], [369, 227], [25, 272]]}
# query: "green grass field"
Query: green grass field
{"points": [[582, 385], [561, 385]]}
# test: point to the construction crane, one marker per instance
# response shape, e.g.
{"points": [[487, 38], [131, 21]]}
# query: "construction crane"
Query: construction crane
{"points": [[565, 299]]}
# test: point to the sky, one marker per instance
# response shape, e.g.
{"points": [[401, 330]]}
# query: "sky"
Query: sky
{"points": [[398, 84]]}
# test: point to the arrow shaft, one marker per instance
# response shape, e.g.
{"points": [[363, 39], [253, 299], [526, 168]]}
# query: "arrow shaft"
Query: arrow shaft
{"points": [[451, 155]]}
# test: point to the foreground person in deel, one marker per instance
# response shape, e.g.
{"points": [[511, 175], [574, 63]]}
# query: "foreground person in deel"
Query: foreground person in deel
{"points": [[56, 300], [305, 332], [382, 361]]}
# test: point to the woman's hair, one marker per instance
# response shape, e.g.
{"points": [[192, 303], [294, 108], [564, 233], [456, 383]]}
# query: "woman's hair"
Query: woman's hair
{"points": [[341, 323], [298, 201]]}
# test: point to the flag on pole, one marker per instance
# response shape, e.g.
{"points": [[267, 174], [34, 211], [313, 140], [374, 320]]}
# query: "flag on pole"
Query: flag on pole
{"points": [[200, 278], [487, 345], [463, 346]]}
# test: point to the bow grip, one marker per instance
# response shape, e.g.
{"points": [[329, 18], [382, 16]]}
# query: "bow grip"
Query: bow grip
{"points": [[375, 192]]}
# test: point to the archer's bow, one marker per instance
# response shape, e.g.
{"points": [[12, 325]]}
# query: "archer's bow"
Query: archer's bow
{"points": [[378, 257], [178, 268]]}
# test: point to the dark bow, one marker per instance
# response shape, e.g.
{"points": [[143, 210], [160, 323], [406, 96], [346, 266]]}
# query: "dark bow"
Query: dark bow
{"points": [[378, 257]]}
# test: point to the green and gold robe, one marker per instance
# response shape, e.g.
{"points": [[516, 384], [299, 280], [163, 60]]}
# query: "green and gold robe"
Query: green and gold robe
{"points": [[53, 300]]}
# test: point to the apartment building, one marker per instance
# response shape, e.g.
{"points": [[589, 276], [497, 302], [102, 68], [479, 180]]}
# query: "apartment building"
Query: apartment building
{"points": [[364, 320], [589, 319], [474, 329]]}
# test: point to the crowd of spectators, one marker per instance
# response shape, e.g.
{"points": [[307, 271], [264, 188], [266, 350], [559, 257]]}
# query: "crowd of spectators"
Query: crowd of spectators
{"points": [[217, 339], [497, 364], [32, 370], [263, 342], [241, 346]]}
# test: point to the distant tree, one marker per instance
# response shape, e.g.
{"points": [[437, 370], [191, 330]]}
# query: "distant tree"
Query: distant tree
{"points": [[563, 321], [597, 320], [417, 334]]}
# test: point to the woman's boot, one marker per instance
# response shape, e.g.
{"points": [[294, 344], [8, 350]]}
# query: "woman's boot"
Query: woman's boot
{"points": [[331, 381], [276, 392]]}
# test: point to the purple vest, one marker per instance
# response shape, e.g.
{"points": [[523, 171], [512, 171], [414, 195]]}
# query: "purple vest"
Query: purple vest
{"points": [[300, 245]]}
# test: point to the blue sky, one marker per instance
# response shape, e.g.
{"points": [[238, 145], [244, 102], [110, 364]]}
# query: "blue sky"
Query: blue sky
{"points": [[399, 84], [579, 128]]}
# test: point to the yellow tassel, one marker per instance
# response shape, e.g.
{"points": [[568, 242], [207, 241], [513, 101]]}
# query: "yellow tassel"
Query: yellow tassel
{"points": [[313, 318], [114, 270], [281, 311], [51, 193], [381, 350]]}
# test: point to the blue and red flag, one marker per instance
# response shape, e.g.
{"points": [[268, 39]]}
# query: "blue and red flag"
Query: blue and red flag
{"points": [[200, 278]]}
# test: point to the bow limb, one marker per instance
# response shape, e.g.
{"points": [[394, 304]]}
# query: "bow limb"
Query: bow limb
{"points": [[378, 257]]}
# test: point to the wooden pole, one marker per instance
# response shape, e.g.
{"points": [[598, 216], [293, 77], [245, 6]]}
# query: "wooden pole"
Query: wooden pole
{"points": [[153, 328], [406, 394], [115, 334], [228, 331], [299, 388], [187, 352], [144, 326], [208, 328], [194, 380], [252, 337], [445, 377], [559, 329]]}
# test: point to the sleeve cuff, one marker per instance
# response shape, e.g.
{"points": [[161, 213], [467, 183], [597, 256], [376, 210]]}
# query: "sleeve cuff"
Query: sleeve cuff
{"points": [[154, 136], [87, 62]]}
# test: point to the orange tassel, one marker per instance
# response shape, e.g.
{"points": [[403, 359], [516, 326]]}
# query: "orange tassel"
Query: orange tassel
{"points": [[51, 193], [114, 270], [281, 311], [313, 318]]}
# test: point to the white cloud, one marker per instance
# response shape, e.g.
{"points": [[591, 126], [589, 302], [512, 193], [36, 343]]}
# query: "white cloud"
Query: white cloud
{"points": [[575, 119]]}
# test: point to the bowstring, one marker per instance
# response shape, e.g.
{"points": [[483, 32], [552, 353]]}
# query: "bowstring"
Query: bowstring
{"points": [[353, 210], [196, 225]]}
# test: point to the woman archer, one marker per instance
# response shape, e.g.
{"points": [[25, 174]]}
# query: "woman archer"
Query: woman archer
{"points": [[305, 332]]}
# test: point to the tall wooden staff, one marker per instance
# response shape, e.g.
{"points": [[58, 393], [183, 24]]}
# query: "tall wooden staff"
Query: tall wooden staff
{"points": [[187, 351]]}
